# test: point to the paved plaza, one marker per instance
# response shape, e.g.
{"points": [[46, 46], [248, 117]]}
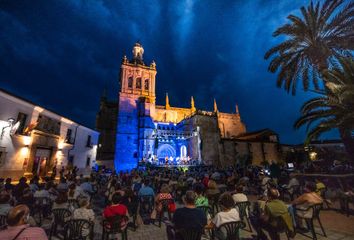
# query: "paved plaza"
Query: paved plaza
{"points": [[337, 226]]}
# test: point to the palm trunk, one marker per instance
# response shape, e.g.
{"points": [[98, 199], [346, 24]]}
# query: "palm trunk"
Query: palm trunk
{"points": [[348, 142]]}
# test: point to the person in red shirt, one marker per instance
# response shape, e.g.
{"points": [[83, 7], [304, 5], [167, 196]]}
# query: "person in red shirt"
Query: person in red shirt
{"points": [[117, 208]]}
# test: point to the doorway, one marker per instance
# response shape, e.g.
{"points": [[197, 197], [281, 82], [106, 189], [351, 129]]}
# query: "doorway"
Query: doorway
{"points": [[41, 159]]}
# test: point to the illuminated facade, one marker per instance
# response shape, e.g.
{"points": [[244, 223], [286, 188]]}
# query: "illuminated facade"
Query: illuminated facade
{"points": [[33, 140], [158, 134]]}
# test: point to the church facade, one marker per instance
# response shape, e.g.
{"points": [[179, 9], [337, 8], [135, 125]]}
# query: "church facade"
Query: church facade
{"points": [[135, 129]]}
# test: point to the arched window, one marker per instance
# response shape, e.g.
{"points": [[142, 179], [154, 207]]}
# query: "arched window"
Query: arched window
{"points": [[138, 83], [146, 85], [183, 151], [130, 82]]}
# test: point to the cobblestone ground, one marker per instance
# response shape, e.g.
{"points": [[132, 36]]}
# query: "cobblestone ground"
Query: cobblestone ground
{"points": [[337, 227]]}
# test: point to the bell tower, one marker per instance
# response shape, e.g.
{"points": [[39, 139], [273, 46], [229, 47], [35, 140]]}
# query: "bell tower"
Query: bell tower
{"points": [[136, 104], [136, 78]]}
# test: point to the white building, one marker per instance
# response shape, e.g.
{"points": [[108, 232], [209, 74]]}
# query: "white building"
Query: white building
{"points": [[33, 140]]}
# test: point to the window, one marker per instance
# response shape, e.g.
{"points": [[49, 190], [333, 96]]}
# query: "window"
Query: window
{"points": [[21, 117], [138, 83], [130, 82], [146, 84], [2, 155], [88, 161], [48, 125], [88, 142], [68, 138]]}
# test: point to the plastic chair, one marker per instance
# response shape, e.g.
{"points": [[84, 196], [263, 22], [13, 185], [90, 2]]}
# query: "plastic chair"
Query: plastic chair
{"points": [[42, 207], [75, 229], [190, 234], [315, 216], [146, 203], [3, 222], [113, 225], [73, 203], [231, 229], [244, 210], [60, 217]]}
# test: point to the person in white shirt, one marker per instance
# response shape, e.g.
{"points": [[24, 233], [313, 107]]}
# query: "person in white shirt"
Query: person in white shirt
{"points": [[227, 214], [292, 184], [239, 196], [86, 213]]}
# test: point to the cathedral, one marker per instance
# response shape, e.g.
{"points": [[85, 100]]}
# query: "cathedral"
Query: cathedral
{"points": [[135, 130]]}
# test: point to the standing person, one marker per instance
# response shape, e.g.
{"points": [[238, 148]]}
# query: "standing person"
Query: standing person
{"points": [[18, 227], [188, 217], [274, 171]]}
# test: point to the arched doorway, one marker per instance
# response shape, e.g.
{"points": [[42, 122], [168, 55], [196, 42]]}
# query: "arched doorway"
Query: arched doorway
{"points": [[183, 151]]}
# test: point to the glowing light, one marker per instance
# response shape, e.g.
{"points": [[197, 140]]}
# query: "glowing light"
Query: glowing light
{"points": [[24, 151], [313, 156], [27, 140], [60, 145]]}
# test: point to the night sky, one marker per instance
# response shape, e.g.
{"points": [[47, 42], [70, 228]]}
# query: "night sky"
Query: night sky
{"points": [[61, 55]]}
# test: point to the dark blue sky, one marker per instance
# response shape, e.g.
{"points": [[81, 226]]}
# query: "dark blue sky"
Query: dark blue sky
{"points": [[61, 54]]}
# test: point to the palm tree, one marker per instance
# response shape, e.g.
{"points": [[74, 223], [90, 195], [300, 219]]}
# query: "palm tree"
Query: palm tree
{"points": [[333, 108], [324, 32]]}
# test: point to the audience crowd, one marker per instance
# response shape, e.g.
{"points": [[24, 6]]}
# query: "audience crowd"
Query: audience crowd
{"points": [[204, 200]]}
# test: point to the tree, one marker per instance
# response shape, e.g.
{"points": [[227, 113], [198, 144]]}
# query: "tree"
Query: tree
{"points": [[324, 32], [333, 108]]}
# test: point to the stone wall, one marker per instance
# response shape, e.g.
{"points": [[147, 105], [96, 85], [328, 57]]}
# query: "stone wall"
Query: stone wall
{"points": [[230, 125]]}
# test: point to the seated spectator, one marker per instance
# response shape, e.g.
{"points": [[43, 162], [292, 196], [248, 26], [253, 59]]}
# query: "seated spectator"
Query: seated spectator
{"points": [[227, 214], [110, 189], [303, 202], [293, 182], [51, 188], [33, 185], [201, 200], [26, 198], [163, 195], [268, 221], [2, 184], [61, 201], [75, 192], [41, 192], [86, 186], [9, 185], [5, 206], [84, 211], [118, 189], [188, 217], [18, 227], [116, 208], [239, 196], [62, 186], [212, 188], [130, 200], [319, 186], [20, 187], [146, 189]]}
